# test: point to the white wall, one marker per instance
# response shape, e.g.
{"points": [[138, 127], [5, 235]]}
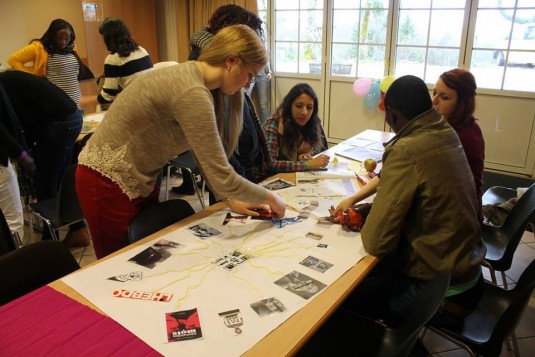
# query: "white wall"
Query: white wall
{"points": [[24, 20]]}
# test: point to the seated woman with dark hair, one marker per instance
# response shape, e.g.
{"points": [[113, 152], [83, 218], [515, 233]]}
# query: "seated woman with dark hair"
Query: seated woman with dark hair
{"points": [[294, 134]]}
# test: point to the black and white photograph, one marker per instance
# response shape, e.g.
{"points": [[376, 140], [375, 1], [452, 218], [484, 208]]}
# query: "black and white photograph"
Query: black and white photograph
{"points": [[155, 254], [268, 306], [278, 184], [316, 264], [316, 236], [300, 284], [203, 231]]}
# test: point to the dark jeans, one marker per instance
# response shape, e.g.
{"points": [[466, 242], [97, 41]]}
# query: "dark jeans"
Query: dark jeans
{"points": [[52, 152], [386, 293]]}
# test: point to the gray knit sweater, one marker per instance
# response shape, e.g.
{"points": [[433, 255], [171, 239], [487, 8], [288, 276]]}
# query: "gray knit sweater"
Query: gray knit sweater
{"points": [[158, 116]]}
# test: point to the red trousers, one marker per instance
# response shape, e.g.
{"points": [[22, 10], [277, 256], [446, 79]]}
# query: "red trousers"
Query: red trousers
{"points": [[107, 209]]}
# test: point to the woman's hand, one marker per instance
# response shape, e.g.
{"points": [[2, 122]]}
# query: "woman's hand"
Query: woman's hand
{"points": [[304, 157], [273, 205], [277, 205], [319, 162], [246, 208]]}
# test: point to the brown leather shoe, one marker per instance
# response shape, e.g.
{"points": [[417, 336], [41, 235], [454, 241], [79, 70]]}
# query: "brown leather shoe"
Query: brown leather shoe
{"points": [[78, 238]]}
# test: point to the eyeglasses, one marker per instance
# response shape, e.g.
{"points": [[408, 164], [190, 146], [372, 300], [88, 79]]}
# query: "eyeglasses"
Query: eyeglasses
{"points": [[252, 77]]}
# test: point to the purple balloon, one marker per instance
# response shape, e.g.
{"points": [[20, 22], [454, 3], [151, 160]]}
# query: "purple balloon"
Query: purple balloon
{"points": [[362, 86]]}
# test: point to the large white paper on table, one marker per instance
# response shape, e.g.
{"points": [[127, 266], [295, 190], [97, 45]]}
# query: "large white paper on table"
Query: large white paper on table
{"points": [[243, 281], [318, 187], [334, 170], [361, 154], [366, 143], [321, 204]]}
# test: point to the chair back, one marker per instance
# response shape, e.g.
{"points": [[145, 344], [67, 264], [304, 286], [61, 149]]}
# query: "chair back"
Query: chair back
{"points": [[515, 224], [186, 161], [156, 217], [7, 243], [33, 266], [403, 337], [68, 206], [515, 301]]}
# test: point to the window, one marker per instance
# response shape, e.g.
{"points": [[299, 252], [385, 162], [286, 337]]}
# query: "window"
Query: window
{"points": [[359, 32], [263, 15], [494, 39], [428, 37], [504, 57], [298, 32]]}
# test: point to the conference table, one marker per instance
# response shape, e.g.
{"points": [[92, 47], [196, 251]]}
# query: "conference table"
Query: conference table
{"points": [[292, 334]]}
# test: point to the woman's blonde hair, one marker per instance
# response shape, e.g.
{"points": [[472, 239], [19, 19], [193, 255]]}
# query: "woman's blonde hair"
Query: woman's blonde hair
{"points": [[241, 41]]}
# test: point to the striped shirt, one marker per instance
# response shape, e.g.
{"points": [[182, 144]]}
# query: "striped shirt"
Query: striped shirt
{"points": [[157, 117], [120, 71], [62, 70]]}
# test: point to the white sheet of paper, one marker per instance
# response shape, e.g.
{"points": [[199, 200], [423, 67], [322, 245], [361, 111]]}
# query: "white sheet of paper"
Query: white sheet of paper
{"points": [[327, 187], [195, 279]]}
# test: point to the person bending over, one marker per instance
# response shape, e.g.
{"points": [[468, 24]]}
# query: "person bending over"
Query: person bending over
{"points": [[159, 116]]}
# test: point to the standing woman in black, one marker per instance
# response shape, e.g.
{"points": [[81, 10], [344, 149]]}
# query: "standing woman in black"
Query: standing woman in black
{"points": [[51, 123]]}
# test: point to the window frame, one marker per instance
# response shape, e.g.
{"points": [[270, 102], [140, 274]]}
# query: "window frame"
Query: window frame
{"points": [[466, 47]]}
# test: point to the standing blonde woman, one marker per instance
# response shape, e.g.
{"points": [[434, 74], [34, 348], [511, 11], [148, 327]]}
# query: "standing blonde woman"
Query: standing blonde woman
{"points": [[161, 115]]}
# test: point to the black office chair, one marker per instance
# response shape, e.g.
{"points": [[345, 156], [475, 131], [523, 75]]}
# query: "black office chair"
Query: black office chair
{"points": [[9, 240], [62, 210], [495, 318], [502, 241], [157, 217], [346, 331], [496, 195], [33, 266], [187, 165]]}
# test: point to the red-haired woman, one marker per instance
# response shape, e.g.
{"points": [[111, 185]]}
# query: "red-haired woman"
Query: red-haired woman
{"points": [[454, 97]]}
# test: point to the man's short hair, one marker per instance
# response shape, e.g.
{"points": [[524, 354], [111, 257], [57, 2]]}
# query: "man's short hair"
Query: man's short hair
{"points": [[409, 95]]}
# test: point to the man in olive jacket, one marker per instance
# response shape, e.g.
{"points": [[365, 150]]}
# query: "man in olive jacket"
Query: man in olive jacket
{"points": [[424, 218]]}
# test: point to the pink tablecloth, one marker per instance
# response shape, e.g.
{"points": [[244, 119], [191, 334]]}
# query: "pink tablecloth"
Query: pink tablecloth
{"points": [[46, 322]]}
